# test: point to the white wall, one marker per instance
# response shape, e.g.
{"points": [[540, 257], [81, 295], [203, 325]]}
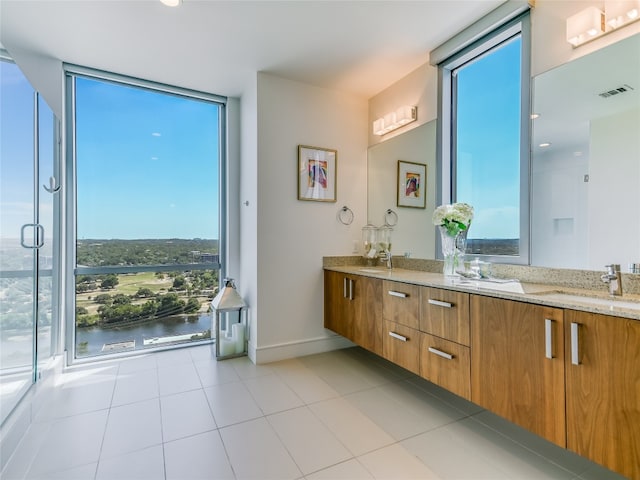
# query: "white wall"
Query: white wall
{"points": [[414, 233], [559, 198], [419, 88], [614, 218], [548, 31], [292, 235]]}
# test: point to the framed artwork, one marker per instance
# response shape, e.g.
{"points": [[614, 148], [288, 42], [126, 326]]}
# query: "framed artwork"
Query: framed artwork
{"points": [[412, 184], [317, 174]]}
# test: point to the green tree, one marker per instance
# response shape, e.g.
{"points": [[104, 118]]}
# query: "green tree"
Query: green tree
{"points": [[192, 306], [81, 311], [144, 292], [179, 282], [121, 299], [110, 281], [103, 299]]}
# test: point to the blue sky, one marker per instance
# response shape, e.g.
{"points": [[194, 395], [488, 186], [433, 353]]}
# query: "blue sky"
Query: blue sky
{"points": [[146, 163], [489, 142]]}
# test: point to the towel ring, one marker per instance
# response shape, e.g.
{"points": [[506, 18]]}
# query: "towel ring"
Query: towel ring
{"points": [[345, 216], [394, 218]]}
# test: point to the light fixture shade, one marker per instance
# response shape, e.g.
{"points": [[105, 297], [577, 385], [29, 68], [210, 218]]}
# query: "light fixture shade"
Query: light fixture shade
{"points": [[393, 120], [171, 3], [585, 25], [621, 12]]}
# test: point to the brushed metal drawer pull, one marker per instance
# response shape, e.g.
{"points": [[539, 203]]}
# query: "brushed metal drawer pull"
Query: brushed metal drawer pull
{"points": [[393, 293], [344, 287], [548, 338], [440, 353], [398, 336], [575, 354], [440, 303]]}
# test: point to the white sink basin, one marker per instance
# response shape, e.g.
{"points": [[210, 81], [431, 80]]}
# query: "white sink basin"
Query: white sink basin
{"points": [[610, 302]]}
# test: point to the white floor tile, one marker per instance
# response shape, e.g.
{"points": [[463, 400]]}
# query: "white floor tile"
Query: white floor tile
{"points": [[354, 430], [272, 394], [83, 472], [185, 414], [451, 398], [255, 451], [147, 464], [202, 352], [304, 382], [391, 416], [138, 363], [70, 442], [75, 400], [231, 403], [349, 470], [312, 446], [246, 369], [181, 377], [170, 358], [135, 387], [395, 462], [132, 427], [596, 472], [25, 452], [212, 372], [200, 457]]}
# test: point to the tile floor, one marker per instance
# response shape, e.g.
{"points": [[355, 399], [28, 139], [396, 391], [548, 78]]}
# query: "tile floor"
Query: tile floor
{"points": [[347, 414]]}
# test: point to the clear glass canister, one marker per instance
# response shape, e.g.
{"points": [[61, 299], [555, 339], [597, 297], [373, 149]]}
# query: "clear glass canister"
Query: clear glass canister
{"points": [[369, 240], [384, 238]]}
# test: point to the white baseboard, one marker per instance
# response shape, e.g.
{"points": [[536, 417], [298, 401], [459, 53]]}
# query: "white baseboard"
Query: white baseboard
{"points": [[283, 351]]}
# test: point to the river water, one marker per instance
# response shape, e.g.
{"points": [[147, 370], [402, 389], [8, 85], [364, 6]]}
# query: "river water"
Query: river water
{"points": [[96, 338]]}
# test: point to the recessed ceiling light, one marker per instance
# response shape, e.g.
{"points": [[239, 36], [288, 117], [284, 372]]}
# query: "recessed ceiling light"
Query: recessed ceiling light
{"points": [[171, 3], [544, 145], [534, 116]]}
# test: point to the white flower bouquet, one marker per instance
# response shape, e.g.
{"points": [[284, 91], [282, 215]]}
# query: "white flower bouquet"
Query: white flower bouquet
{"points": [[455, 217]]}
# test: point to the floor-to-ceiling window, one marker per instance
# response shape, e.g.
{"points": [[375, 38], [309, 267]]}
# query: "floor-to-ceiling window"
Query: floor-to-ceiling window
{"points": [[146, 213], [28, 151], [484, 120]]}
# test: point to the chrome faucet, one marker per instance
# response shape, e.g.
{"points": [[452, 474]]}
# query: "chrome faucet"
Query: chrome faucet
{"points": [[385, 256], [613, 278]]}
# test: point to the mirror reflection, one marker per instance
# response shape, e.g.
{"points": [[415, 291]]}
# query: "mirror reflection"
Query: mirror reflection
{"points": [[586, 161], [585, 185]]}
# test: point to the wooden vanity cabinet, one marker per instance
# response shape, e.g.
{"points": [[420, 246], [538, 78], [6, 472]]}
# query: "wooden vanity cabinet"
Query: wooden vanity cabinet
{"points": [[445, 314], [401, 315], [401, 345], [353, 308], [603, 389], [517, 364], [446, 364], [401, 303]]}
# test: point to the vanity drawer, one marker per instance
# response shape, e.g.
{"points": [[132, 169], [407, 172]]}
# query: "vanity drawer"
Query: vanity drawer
{"points": [[446, 364], [445, 314], [401, 303], [401, 345]]}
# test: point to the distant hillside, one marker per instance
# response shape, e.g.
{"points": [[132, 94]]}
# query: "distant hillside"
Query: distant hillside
{"points": [[101, 252], [489, 246]]}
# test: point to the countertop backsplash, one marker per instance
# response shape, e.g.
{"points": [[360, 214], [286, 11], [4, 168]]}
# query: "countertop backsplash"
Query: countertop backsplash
{"points": [[586, 279]]}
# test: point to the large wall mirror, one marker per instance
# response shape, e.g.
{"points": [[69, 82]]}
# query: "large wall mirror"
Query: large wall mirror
{"points": [[585, 185]]}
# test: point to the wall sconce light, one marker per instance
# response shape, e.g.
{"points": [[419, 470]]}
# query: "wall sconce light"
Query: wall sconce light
{"points": [[394, 120], [585, 25], [592, 22], [620, 13]]}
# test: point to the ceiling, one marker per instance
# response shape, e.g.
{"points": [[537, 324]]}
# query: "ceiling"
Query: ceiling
{"points": [[360, 47]]}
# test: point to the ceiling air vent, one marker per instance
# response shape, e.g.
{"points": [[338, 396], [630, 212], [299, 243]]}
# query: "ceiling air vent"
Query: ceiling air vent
{"points": [[616, 91]]}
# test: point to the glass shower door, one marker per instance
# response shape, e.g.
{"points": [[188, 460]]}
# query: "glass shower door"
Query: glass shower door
{"points": [[25, 268]]}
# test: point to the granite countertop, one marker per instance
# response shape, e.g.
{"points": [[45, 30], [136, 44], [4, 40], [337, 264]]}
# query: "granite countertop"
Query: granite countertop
{"points": [[596, 301]]}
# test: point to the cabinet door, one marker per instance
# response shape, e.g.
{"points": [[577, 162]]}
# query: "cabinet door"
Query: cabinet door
{"points": [[517, 364], [366, 296], [401, 303], [337, 315], [603, 390], [445, 314], [446, 364], [401, 346]]}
